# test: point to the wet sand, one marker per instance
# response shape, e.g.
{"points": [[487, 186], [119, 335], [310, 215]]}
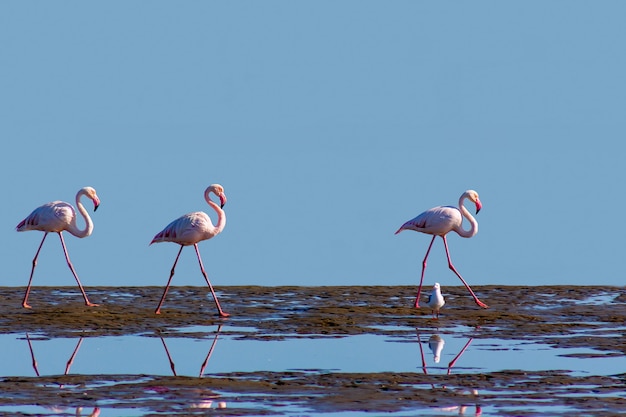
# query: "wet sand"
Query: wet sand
{"points": [[560, 316]]}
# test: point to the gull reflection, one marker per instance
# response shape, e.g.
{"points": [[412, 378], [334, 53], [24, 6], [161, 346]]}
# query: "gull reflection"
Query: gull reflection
{"points": [[436, 344], [68, 365]]}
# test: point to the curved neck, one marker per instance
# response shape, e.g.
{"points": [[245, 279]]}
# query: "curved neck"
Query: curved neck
{"points": [[473, 223], [221, 216], [73, 228]]}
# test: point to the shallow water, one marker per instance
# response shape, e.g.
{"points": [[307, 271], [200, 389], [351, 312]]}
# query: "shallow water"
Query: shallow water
{"points": [[314, 351]]}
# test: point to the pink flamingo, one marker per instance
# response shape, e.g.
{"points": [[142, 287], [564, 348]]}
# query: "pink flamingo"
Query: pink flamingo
{"points": [[438, 221], [191, 229], [57, 217]]}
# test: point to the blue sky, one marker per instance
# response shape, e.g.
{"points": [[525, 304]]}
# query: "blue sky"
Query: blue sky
{"points": [[329, 124]]}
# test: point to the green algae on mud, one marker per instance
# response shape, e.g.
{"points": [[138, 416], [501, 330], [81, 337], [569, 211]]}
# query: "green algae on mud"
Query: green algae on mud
{"points": [[562, 316]]}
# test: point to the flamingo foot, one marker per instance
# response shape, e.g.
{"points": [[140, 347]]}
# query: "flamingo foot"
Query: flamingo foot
{"points": [[90, 304], [223, 315], [26, 305], [417, 303], [481, 304], [157, 311]]}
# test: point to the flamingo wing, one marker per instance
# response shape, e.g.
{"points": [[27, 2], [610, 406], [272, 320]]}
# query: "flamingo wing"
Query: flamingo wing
{"points": [[186, 230], [50, 217], [435, 221]]}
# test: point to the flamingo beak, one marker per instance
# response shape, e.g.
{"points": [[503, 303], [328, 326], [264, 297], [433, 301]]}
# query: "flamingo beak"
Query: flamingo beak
{"points": [[222, 200], [96, 204], [479, 205]]}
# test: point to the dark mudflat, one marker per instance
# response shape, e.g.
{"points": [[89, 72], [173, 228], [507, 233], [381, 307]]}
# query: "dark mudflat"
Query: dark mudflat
{"points": [[563, 316]]}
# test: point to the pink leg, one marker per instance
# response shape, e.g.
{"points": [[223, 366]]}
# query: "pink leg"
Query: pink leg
{"points": [[167, 352], [71, 359], [67, 258], [206, 278], [32, 354], [419, 343], [32, 271], [480, 303], [419, 290], [158, 309], [453, 361], [208, 356]]}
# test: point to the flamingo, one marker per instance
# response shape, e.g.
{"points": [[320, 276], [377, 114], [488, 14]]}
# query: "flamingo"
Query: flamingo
{"points": [[435, 300], [439, 221], [193, 228], [59, 216]]}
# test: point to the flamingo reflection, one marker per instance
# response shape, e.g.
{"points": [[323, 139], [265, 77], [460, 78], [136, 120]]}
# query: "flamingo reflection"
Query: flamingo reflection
{"points": [[206, 360], [436, 344], [79, 411], [205, 402], [68, 365]]}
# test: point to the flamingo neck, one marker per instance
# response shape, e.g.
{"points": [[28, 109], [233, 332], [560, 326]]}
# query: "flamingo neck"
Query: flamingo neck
{"points": [[73, 228], [221, 215], [473, 223]]}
